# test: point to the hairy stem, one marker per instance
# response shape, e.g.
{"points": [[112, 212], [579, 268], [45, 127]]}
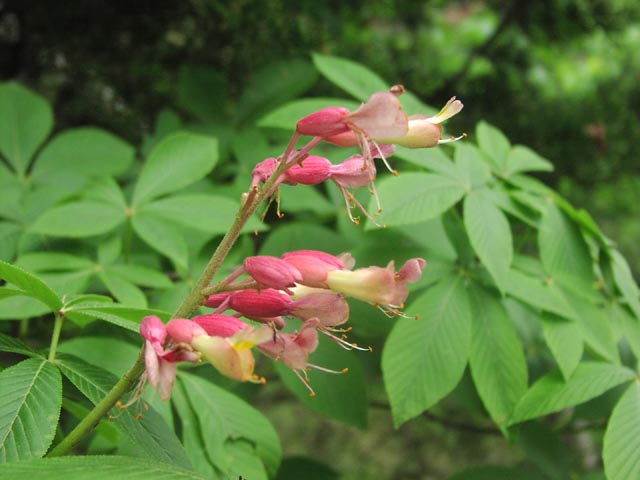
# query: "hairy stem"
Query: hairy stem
{"points": [[250, 203]]}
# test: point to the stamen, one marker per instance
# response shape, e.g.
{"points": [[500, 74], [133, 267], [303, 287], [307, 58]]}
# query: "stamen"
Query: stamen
{"points": [[343, 343], [452, 139], [323, 369], [305, 381]]}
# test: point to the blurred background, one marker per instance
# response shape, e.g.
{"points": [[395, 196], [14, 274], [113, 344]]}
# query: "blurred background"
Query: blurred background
{"points": [[560, 76]]}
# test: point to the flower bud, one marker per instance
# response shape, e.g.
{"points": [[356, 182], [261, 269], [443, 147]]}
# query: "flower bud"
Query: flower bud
{"points": [[272, 272]]}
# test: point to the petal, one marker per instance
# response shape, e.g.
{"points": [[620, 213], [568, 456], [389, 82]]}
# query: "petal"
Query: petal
{"points": [[272, 272], [154, 330], [219, 325], [167, 378], [325, 122], [183, 330], [380, 116], [264, 303]]}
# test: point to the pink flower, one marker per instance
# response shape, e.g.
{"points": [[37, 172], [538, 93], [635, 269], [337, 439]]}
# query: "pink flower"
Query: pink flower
{"points": [[330, 309], [379, 286], [263, 303], [293, 349], [426, 132], [161, 364]]}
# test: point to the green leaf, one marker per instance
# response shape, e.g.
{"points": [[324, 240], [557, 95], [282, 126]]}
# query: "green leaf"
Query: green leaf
{"points": [[10, 292], [120, 315], [288, 115], [225, 418], [552, 394], [203, 92], [31, 284], [122, 289], [88, 151], [544, 447], [621, 452], [53, 261], [204, 452], [332, 390], [15, 345], [147, 277], [415, 197], [176, 162], [99, 467], [27, 120], [352, 77], [274, 85], [490, 235], [112, 354], [469, 167], [625, 282], [30, 402], [210, 213], [538, 293], [294, 468], [564, 338], [163, 236], [79, 219], [150, 434], [523, 159], [563, 251], [423, 360], [495, 146], [497, 361], [433, 159]]}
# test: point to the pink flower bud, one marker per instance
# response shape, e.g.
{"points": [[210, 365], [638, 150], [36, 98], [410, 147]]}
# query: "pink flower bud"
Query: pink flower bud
{"points": [[219, 325], [263, 303], [312, 171], [217, 299], [183, 331], [313, 266], [154, 331], [326, 122], [272, 272]]}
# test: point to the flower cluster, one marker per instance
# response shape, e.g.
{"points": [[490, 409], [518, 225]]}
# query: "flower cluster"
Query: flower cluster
{"points": [[306, 284], [376, 127]]}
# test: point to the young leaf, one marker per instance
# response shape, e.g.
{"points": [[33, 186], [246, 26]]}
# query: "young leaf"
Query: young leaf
{"points": [[223, 417], [150, 433], [564, 339], [274, 85], [88, 151], [625, 282], [287, 115], [179, 160], [352, 77], [424, 359], [490, 235], [523, 159], [209, 213], [26, 120], [99, 467], [552, 394], [122, 289], [31, 284], [495, 146], [563, 251], [497, 361], [621, 452], [417, 198], [30, 402], [331, 389], [79, 219], [120, 315], [163, 236]]}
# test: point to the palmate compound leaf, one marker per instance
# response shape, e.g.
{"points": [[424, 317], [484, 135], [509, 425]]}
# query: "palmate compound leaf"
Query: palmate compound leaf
{"points": [[99, 467], [423, 360], [31, 284], [26, 120], [228, 425], [415, 198], [551, 393], [497, 360], [621, 453], [150, 434], [490, 235], [30, 400], [177, 161]]}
